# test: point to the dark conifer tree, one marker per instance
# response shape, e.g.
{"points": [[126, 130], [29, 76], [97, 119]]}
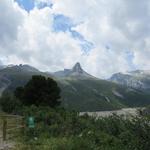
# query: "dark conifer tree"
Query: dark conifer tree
{"points": [[39, 91]]}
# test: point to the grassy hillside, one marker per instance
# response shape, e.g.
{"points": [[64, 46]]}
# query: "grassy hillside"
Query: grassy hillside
{"points": [[91, 95], [83, 94], [94, 95]]}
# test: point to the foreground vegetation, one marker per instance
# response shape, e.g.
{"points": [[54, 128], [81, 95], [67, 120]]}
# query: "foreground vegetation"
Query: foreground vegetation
{"points": [[60, 129]]}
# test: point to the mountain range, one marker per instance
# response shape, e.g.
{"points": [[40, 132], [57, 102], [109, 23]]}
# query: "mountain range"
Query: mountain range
{"points": [[138, 79], [82, 91]]}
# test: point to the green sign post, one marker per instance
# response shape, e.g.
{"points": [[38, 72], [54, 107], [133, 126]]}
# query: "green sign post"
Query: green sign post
{"points": [[31, 122]]}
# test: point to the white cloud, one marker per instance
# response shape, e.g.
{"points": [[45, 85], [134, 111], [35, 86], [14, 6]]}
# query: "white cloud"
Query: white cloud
{"points": [[113, 27], [11, 18], [35, 42], [122, 25]]}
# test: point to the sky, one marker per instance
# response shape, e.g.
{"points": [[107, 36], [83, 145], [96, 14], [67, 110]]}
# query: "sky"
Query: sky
{"points": [[105, 36]]}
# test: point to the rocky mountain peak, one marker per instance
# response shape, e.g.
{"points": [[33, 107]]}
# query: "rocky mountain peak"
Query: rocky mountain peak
{"points": [[138, 79], [21, 68], [75, 72], [77, 68], [28, 68]]}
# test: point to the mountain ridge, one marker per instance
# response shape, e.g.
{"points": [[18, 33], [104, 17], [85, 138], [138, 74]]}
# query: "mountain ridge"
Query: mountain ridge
{"points": [[79, 91], [76, 71], [138, 79]]}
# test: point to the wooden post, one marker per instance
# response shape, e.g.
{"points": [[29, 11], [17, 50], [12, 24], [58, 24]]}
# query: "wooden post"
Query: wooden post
{"points": [[23, 125], [4, 128]]}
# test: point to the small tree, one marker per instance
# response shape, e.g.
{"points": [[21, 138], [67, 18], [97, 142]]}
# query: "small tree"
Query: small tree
{"points": [[39, 91]]}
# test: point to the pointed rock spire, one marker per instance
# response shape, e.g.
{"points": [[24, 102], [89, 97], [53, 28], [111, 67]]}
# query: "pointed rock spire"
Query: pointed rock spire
{"points": [[77, 68], [76, 72]]}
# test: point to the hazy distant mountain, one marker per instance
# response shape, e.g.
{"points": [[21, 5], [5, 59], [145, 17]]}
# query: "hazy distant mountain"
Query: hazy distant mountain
{"points": [[23, 68], [76, 71], [138, 79], [80, 91], [20, 67]]}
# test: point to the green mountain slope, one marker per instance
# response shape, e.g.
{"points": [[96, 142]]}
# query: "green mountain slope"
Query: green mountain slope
{"points": [[94, 95], [79, 93]]}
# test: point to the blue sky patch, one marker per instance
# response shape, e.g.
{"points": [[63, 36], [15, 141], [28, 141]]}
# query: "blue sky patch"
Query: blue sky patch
{"points": [[77, 35], [65, 24], [86, 46], [62, 23], [42, 5], [30, 4], [26, 4]]}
